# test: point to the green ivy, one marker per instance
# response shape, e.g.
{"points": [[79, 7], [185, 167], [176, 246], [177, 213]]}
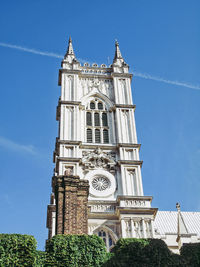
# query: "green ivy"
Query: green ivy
{"points": [[133, 252], [40, 258], [76, 251], [191, 254], [17, 250]]}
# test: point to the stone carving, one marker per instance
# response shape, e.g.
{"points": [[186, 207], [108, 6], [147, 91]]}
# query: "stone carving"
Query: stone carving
{"points": [[102, 208], [128, 228], [104, 86], [137, 229], [135, 203], [148, 228], [68, 170], [100, 183], [98, 159]]}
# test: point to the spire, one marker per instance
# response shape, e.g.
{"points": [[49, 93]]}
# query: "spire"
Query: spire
{"points": [[118, 59], [117, 50], [70, 50], [70, 56]]}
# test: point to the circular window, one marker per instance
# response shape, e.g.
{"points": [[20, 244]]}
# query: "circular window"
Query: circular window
{"points": [[101, 183]]}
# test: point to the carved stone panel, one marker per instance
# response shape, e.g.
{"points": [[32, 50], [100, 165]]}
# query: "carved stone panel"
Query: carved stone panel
{"points": [[98, 159]]}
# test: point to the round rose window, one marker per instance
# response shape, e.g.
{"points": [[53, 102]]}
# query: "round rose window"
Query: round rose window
{"points": [[100, 183]]}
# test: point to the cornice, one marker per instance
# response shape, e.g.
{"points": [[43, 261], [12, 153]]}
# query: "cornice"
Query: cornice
{"points": [[124, 106], [96, 75], [94, 146], [130, 162], [66, 71], [74, 103], [68, 142], [134, 210], [125, 75], [69, 159], [129, 145], [150, 198]]}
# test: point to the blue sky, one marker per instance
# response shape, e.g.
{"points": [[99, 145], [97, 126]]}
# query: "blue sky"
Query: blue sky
{"points": [[160, 41]]}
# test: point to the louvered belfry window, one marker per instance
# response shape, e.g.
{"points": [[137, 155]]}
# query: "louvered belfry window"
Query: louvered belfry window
{"points": [[96, 119], [92, 105], [97, 130], [89, 119], [104, 119], [100, 105], [105, 136], [89, 135], [97, 136]]}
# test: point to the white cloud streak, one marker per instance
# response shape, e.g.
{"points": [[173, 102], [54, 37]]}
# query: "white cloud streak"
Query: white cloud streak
{"points": [[136, 74], [30, 50], [9, 144], [160, 79]]}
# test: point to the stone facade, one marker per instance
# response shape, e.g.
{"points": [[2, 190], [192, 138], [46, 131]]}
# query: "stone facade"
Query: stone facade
{"points": [[97, 141]]}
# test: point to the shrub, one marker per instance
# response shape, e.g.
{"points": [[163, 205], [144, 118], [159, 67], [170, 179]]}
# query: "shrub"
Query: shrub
{"points": [[191, 254], [142, 253], [17, 250], [75, 250], [40, 258]]}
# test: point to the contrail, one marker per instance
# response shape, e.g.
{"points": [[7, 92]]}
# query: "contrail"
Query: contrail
{"points": [[9, 144], [136, 74], [159, 79], [30, 50]]}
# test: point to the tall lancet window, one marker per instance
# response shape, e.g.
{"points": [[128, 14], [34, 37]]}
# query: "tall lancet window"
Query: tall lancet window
{"points": [[89, 135], [97, 130], [89, 119]]}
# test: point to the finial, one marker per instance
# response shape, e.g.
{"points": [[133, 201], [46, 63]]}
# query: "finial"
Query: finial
{"points": [[178, 206], [70, 50], [70, 56], [118, 59]]}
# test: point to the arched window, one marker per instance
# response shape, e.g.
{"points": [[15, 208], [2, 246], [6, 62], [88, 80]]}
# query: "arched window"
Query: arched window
{"points": [[92, 105], [105, 136], [89, 119], [100, 105], [96, 119], [89, 135], [104, 119], [97, 136], [107, 238]]}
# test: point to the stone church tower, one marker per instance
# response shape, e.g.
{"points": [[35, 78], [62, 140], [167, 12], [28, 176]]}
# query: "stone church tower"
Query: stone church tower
{"points": [[97, 183]]}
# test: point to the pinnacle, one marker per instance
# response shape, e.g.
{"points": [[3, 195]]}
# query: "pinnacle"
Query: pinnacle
{"points": [[70, 50], [70, 56], [118, 59]]}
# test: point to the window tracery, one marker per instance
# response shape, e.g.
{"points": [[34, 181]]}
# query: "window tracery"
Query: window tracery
{"points": [[97, 130], [107, 238]]}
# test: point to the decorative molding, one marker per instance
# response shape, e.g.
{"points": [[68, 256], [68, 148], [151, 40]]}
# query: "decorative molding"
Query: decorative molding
{"points": [[98, 159]]}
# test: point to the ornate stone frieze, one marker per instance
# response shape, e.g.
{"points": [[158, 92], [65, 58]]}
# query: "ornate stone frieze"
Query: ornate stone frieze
{"points": [[98, 159], [103, 208], [103, 86]]}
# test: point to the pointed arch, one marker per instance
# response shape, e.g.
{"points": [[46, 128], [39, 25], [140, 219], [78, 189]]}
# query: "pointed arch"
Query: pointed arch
{"points": [[96, 94], [108, 236]]}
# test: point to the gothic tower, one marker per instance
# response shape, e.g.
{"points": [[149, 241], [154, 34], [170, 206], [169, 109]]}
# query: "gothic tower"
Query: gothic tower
{"points": [[97, 143]]}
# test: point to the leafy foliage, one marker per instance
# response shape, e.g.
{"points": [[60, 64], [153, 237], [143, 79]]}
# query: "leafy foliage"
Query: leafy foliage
{"points": [[143, 253], [17, 250], [40, 258], [76, 251], [191, 254]]}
